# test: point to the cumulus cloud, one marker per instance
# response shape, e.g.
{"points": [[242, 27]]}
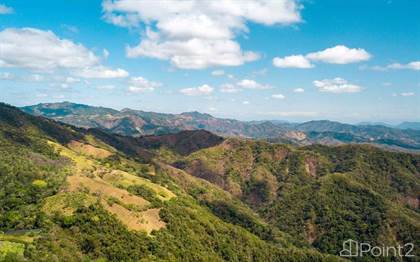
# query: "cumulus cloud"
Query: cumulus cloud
{"points": [[242, 85], [197, 91], [293, 61], [140, 84], [336, 85], [194, 53], [252, 84], [4, 10], [339, 54], [278, 96], [102, 72], [40, 50], [245, 102], [415, 65], [407, 94], [197, 34], [37, 49], [299, 90]]}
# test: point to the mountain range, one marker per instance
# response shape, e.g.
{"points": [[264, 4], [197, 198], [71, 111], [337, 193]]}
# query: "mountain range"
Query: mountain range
{"points": [[74, 194], [130, 122]]}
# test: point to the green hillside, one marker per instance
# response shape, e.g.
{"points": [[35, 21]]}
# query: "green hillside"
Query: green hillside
{"points": [[68, 195], [320, 195]]}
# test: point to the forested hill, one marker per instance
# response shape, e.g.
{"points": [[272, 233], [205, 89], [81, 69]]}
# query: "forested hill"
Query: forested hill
{"points": [[73, 194], [68, 195]]}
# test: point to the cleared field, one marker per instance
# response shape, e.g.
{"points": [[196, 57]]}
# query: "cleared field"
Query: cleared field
{"points": [[123, 179], [93, 182], [102, 189], [88, 150], [131, 210], [147, 220]]}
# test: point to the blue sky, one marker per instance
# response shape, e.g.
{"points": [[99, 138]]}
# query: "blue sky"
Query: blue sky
{"points": [[350, 61]]}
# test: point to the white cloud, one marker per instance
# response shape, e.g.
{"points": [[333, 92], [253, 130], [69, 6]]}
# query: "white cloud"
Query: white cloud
{"points": [[245, 102], [4, 10], [415, 65], [197, 91], [194, 53], [251, 84], [197, 34], [299, 90], [229, 88], [140, 84], [243, 84], [217, 73], [336, 85], [39, 50], [101, 72], [407, 94], [373, 68], [278, 96], [340, 54], [42, 50], [293, 61]]}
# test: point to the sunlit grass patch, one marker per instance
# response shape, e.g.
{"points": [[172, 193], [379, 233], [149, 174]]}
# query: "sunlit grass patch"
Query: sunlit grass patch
{"points": [[11, 251], [66, 203], [89, 150], [124, 179]]}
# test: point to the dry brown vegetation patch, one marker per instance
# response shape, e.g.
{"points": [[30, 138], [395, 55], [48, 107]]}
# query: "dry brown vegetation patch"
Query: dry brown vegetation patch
{"points": [[100, 188], [89, 150]]}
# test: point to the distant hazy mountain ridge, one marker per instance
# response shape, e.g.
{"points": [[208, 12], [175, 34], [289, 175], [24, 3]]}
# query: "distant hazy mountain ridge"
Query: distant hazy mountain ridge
{"points": [[138, 123]]}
